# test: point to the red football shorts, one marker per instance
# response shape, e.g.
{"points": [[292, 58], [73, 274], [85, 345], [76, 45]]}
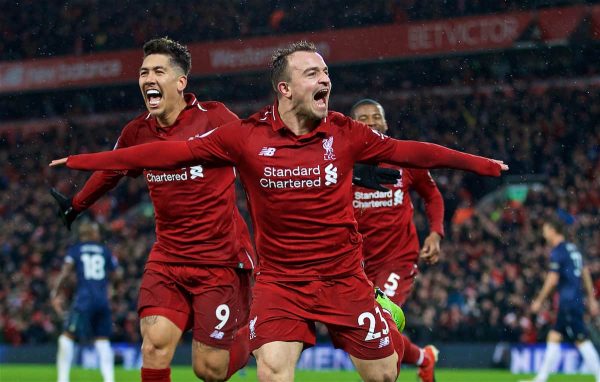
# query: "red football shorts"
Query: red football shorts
{"points": [[287, 311], [213, 301], [395, 279]]}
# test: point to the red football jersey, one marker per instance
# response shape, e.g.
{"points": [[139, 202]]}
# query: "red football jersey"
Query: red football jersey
{"points": [[385, 219], [197, 220], [299, 187]]}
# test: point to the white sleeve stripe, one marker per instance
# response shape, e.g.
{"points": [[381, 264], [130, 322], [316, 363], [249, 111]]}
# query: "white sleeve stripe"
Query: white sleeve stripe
{"points": [[208, 133], [250, 258]]}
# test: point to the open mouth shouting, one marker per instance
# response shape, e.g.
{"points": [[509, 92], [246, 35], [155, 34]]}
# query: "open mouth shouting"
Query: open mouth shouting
{"points": [[321, 98], [153, 96]]}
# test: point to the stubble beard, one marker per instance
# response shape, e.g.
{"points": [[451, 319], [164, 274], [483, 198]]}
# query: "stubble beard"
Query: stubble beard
{"points": [[311, 114]]}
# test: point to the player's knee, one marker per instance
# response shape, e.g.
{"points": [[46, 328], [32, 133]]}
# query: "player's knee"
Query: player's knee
{"points": [[554, 336], [379, 371], [382, 375], [211, 369], [152, 350], [156, 353], [271, 370], [264, 373]]}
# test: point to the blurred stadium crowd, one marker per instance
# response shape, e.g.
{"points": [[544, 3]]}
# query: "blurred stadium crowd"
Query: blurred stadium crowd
{"points": [[33, 29], [529, 112]]}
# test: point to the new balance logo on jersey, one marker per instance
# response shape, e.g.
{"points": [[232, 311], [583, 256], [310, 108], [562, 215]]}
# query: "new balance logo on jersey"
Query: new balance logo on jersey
{"points": [[251, 326], [196, 172], [330, 174], [217, 334], [328, 146], [385, 341], [267, 152]]}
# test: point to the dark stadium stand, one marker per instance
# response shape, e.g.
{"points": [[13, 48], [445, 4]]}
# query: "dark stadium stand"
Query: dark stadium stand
{"points": [[33, 29]]}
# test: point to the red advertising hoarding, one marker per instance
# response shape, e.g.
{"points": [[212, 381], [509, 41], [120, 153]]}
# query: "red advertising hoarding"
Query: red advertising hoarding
{"points": [[342, 46]]}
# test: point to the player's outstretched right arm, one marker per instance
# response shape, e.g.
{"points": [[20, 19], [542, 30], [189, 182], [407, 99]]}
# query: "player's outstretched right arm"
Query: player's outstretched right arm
{"points": [[218, 147], [155, 155]]}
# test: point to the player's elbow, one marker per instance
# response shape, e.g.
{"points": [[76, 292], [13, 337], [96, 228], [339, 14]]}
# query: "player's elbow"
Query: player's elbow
{"points": [[553, 279]]}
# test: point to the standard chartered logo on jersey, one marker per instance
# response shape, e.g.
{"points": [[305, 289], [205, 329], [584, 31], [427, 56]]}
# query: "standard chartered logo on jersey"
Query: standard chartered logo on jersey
{"points": [[195, 172], [378, 199], [299, 177]]}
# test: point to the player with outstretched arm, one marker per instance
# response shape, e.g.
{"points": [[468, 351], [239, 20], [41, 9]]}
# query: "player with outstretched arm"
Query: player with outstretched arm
{"points": [[295, 160], [198, 274]]}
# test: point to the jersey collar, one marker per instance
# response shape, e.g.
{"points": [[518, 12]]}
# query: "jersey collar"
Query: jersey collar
{"points": [[190, 102], [271, 115]]}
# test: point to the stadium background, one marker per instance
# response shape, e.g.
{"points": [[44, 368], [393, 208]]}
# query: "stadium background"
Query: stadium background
{"points": [[516, 80]]}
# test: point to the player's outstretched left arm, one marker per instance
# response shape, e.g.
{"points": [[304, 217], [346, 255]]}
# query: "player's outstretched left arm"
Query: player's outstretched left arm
{"points": [[429, 155], [374, 147]]}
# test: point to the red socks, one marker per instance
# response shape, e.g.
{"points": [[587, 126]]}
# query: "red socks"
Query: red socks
{"points": [[239, 353], [156, 375], [412, 352]]}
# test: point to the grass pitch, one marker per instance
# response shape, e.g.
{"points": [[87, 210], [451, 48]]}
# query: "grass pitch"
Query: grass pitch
{"points": [[47, 373]]}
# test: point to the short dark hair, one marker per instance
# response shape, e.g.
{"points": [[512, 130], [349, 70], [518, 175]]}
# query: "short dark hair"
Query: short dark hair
{"points": [[179, 54], [557, 223], [365, 101], [279, 62], [88, 230]]}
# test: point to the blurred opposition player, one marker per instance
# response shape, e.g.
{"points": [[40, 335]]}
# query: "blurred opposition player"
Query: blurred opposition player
{"points": [[90, 314], [295, 160], [390, 241], [568, 274], [198, 273]]}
